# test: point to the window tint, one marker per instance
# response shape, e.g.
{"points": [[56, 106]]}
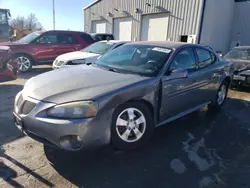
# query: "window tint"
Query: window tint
{"points": [[205, 57], [48, 39], [185, 59], [86, 38], [66, 39], [137, 59]]}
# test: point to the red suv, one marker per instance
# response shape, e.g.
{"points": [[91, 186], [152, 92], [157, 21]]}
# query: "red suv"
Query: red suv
{"points": [[43, 47]]}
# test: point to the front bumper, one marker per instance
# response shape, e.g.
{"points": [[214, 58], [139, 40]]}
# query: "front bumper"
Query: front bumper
{"points": [[241, 80], [92, 132]]}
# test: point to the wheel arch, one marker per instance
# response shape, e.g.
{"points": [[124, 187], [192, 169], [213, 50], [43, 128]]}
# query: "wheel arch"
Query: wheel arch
{"points": [[148, 104], [228, 80], [26, 54]]}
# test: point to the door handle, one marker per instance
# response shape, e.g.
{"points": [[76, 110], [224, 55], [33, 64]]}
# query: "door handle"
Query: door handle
{"points": [[54, 46], [193, 81]]}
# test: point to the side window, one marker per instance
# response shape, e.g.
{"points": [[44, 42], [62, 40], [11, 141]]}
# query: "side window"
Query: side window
{"points": [[66, 39], [205, 57], [47, 39], [185, 59], [87, 38]]}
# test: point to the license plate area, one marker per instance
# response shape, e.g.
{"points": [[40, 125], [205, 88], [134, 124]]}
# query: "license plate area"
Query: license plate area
{"points": [[240, 78]]}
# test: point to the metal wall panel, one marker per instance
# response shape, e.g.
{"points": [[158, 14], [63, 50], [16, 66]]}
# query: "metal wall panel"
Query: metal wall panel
{"points": [[184, 15], [241, 27]]}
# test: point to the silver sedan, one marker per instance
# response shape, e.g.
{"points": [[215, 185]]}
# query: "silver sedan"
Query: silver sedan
{"points": [[122, 97]]}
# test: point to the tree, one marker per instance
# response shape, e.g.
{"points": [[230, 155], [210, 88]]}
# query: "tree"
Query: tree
{"points": [[24, 26]]}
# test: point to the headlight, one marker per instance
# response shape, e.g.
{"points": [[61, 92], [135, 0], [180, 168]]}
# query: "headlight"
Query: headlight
{"points": [[78, 61], [81, 109]]}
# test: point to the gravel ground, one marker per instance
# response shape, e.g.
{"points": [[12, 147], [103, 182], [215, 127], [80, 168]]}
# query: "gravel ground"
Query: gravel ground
{"points": [[204, 149]]}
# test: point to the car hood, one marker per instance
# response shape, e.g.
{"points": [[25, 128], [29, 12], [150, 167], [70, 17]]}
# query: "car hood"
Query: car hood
{"points": [[80, 82], [11, 43], [76, 55], [239, 65]]}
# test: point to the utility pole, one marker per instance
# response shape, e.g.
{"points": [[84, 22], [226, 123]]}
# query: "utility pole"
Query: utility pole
{"points": [[54, 19]]}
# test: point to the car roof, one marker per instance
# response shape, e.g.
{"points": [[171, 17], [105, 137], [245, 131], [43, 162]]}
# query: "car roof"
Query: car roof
{"points": [[93, 34], [172, 45], [65, 31], [242, 47], [114, 41]]}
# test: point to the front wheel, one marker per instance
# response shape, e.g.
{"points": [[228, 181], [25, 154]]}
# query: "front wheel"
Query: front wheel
{"points": [[24, 63], [132, 126], [221, 95]]}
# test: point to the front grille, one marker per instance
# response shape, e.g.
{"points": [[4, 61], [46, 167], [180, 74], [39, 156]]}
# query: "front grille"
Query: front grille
{"points": [[27, 107], [24, 106]]}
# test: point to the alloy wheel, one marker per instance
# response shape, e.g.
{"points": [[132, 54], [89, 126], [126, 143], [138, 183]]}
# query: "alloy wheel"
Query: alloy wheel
{"points": [[222, 95], [130, 125], [23, 63]]}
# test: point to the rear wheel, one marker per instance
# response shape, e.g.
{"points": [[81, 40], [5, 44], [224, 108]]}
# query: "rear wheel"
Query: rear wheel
{"points": [[132, 126], [221, 95], [24, 63]]}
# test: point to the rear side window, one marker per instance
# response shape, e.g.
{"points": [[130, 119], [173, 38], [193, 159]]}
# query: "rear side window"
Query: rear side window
{"points": [[205, 57], [66, 39], [86, 38]]}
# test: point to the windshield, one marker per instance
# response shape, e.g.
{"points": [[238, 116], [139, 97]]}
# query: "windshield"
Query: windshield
{"points": [[3, 17], [240, 54], [30, 37], [98, 47], [136, 59]]}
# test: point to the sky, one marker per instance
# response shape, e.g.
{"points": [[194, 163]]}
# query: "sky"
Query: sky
{"points": [[69, 13]]}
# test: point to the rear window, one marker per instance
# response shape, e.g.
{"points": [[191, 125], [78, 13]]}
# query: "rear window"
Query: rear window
{"points": [[239, 54], [86, 38], [98, 47]]}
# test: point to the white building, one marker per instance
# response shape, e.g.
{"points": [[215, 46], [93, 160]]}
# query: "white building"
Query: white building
{"points": [[220, 24]]}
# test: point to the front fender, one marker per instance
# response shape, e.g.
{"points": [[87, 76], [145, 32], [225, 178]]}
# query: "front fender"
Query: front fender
{"points": [[146, 90]]}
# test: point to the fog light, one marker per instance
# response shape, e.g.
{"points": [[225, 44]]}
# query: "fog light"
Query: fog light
{"points": [[71, 142]]}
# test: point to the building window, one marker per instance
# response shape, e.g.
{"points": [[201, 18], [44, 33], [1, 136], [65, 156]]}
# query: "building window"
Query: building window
{"points": [[183, 38]]}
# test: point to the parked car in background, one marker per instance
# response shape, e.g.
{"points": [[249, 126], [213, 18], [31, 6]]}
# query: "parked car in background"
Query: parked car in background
{"points": [[89, 54], [123, 96], [8, 67], [44, 46], [102, 36], [240, 59]]}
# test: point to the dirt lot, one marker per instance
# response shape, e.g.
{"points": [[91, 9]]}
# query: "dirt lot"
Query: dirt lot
{"points": [[204, 149]]}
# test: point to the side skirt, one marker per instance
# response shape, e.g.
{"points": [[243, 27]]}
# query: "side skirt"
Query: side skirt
{"points": [[182, 114]]}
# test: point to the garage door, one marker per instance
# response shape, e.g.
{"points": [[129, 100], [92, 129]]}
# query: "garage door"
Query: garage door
{"points": [[154, 27], [98, 26], [122, 28]]}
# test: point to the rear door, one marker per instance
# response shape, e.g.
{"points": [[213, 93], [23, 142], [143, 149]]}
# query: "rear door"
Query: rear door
{"points": [[44, 47], [209, 73], [180, 95], [66, 43]]}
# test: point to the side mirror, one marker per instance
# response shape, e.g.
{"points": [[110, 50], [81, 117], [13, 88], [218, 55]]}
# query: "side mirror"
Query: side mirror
{"points": [[179, 73]]}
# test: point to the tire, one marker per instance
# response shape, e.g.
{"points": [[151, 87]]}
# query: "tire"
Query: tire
{"points": [[24, 62], [221, 97], [124, 136]]}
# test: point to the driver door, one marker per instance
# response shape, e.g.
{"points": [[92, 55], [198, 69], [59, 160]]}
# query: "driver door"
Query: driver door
{"points": [[180, 94], [44, 47]]}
